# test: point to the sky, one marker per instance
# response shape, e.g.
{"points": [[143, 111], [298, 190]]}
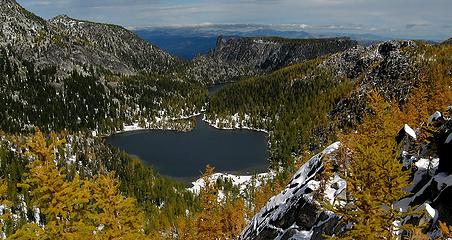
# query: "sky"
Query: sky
{"points": [[422, 19]]}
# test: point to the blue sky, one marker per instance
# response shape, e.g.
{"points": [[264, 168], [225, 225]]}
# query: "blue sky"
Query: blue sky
{"points": [[430, 19]]}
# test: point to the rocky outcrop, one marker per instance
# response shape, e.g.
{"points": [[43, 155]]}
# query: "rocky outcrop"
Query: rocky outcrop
{"points": [[389, 67], [237, 57], [295, 213], [71, 44]]}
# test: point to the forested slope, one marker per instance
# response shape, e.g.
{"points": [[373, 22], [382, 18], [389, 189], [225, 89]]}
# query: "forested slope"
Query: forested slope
{"points": [[36, 98], [303, 105], [394, 166]]}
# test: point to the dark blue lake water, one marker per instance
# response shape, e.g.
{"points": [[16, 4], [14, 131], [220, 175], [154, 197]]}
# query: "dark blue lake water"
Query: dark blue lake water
{"points": [[184, 155]]}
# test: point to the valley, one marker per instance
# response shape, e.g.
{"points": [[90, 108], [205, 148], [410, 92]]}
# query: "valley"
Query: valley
{"points": [[104, 135]]}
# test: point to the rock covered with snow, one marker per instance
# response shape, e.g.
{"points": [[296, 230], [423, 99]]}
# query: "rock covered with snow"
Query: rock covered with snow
{"points": [[406, 137], [435, 116], [293, 213], [431, 182], [431, 215], [431, 194], [409, 131]]}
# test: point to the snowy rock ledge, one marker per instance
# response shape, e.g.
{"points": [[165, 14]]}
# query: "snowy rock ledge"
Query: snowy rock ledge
{"points": [[410, 131], [293, 214]]}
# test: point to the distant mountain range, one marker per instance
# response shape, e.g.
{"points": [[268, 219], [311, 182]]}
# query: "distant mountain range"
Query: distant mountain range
{"points": [[188, 41], [182, 45]]}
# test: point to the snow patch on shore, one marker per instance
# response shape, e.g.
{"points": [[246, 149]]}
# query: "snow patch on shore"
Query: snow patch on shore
{"points": [[234, 123], [161, 122], [133, 127], [241, 181]]}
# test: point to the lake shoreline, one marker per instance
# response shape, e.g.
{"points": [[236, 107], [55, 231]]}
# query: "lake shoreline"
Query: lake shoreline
{"points": [[135, 126], [191, 124], [240, 152], [168, 123]]}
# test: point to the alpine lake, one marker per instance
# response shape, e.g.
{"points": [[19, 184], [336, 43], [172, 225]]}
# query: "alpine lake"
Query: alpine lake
{"points": [[184, 155]]}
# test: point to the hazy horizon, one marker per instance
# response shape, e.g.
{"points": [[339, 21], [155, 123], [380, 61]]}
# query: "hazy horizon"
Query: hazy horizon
{"points": [[415, 19]]}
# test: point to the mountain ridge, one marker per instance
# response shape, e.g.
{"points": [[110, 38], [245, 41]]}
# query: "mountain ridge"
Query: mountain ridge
{"points": [[237, 57], [57, 42], [120, 42]]}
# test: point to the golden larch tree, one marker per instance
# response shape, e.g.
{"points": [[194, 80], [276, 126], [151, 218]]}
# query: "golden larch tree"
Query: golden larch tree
{"points": [[375, 177]]}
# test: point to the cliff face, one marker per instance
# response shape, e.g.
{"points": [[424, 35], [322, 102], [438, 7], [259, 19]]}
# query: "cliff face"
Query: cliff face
{"points": [[71, 44], [269, 54], [237, 57]]}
